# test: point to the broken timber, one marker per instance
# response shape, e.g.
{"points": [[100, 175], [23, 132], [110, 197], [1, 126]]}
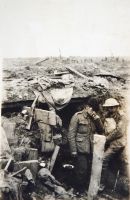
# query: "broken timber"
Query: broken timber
{"points": [[7, 165], [76, 72], [98, 151], [32, 112], [16, 173], [54, 156], [112, 76], [30, 164]]}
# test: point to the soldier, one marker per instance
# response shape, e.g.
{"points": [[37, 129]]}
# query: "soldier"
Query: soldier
{"points": [[115, 125], [82, 127]]}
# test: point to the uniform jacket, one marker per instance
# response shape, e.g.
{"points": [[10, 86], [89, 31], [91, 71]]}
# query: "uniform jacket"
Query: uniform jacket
{"points": [[81, 130], [117, 138]]}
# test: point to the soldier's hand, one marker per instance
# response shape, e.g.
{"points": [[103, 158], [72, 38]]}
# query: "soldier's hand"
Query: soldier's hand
{"points": [[74, 154], [92, 113], [74, 157]]}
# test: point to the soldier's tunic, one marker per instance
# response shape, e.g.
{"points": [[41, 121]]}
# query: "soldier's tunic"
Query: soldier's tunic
{"points": [[81, 130], [115, 142]]}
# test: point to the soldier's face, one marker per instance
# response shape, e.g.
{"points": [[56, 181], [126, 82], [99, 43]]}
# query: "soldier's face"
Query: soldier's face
{"points": [[110, 111], [88, 109]]}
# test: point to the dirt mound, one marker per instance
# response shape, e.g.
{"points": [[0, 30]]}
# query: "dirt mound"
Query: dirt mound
{"points": [[103, 75]]}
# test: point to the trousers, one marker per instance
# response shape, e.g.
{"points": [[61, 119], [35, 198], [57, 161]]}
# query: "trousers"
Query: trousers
{"points": [[81, 171], [109, 154]]}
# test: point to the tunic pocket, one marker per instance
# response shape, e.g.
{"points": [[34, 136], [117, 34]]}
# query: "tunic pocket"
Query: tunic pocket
{"points": [[83, 143], [84, 125]]}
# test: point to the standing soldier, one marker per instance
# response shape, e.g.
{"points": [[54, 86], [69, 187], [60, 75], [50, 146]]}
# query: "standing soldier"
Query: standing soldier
{"points": [[115, 125], [83, 126]]}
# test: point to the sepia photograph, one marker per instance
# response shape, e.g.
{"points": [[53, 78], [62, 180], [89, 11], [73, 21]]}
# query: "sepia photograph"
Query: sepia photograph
{"points": [[65, 93]]}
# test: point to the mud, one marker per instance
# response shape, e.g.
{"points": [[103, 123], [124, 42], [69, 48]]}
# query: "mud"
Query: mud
{"points": [[105, 77]]}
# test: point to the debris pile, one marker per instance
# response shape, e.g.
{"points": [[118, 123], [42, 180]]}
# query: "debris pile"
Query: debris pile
{"points": [[34, 150], [99, 73]]}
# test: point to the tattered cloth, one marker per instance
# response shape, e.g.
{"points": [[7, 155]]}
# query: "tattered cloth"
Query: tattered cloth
{"points": [[58, 93], [57, 98], [61, 96]]}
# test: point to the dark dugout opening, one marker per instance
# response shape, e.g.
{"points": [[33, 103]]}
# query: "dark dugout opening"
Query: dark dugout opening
{"points": [[68, 111]]}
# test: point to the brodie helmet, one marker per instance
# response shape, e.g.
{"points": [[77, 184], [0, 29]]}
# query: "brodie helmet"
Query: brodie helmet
{"points": [[110, 103]]}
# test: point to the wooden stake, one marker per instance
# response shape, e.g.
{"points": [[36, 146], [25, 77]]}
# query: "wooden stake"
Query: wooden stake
{"points": [[7, 165], [54, 156]]}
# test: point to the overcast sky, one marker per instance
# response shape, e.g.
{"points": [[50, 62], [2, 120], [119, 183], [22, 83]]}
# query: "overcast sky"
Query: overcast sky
{"points": [[34, 28]]}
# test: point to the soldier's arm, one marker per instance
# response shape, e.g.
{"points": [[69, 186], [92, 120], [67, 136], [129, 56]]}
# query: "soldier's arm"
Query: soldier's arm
{"points": [[98, 123], [72, 134], [118, 132]]}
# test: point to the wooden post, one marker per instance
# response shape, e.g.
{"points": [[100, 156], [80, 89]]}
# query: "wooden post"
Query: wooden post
{"points": [[98, 152], [54, 156]]}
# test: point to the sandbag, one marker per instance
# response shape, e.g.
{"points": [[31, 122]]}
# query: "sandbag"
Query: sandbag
{"points": [[9, 128], [47, 146], [44, 116]]}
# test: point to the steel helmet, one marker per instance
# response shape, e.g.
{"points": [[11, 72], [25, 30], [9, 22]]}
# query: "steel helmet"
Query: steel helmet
{"points": [[110, 102]]}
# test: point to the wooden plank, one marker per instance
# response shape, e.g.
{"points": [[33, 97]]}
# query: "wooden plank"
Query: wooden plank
{"points": [[43, 60], [30, 164], [54, 156], [98, 152], [76, 72], [32, 113], [16, 173], [32, 154], [8, 164]]}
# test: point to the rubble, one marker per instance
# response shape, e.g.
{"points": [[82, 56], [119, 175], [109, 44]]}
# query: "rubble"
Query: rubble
{"points": [[30, 164], [33, 165], [25, 143], [20, 86], [47, 179]]}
